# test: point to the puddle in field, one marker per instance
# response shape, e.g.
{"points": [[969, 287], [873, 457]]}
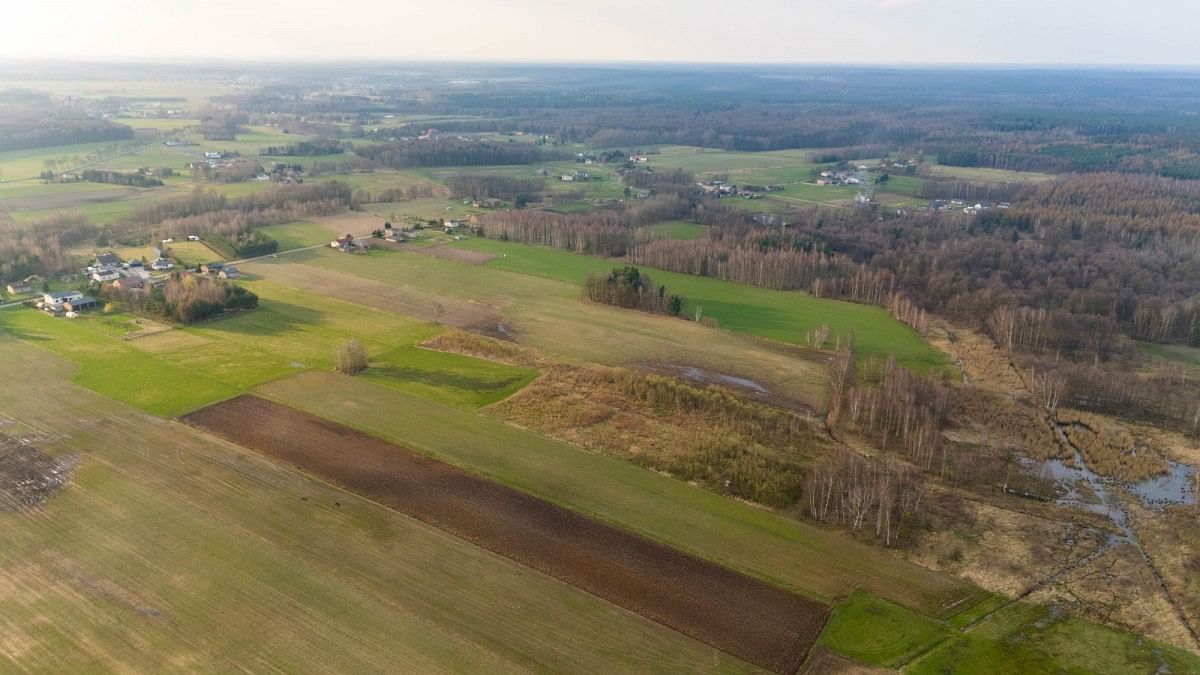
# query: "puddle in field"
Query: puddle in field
{"points": [[709, 377], [1177, 486]]}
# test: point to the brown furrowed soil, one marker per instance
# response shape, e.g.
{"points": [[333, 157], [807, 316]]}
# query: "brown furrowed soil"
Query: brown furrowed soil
{"points": [[744, 617]]}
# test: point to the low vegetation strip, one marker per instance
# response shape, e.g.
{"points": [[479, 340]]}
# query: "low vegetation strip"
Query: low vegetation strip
{"points": [[747, 618]]}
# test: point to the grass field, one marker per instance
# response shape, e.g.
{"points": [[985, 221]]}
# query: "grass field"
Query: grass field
{"points": [[880, 633], [299, 234], [742, 167], [174, 372], [171, 551], [1187, 356], [676, 229], [422, 209], [1027, 639], [779, 315], [986, 175], [800, 557], [544, 313]]}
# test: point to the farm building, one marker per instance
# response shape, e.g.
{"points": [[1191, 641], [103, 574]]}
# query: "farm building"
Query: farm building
{"points": [[212, 267], [57, 298], [229, 272], [161, 264], [17, 287], [80, 304]]}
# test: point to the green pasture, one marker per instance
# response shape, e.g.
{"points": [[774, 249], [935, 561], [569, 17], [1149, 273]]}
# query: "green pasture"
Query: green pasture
{"points": [[780, 315], [676, 229], [176, 371], [868, 629], [546, 313], [1025, 639]]}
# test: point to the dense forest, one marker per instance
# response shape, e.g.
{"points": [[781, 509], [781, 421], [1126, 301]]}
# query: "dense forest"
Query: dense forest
{"points": [[32, 120]]}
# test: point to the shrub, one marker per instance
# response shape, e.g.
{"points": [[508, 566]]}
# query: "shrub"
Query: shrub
{"points": [[351, 357]]}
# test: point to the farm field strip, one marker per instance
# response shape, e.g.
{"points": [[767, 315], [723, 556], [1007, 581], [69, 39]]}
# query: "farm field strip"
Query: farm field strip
{"points": [[172, 550], [744, 617], [798, 556]]}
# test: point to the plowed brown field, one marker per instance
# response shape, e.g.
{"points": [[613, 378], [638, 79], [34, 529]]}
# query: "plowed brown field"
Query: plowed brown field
{"points": [[745, 617]]}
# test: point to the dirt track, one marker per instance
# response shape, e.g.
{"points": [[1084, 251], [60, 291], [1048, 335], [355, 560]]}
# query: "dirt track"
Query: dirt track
{"points": [[747, 618]]}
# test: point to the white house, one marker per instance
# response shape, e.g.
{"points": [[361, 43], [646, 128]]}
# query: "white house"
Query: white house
{"points": [[102, 275], [161, 264]]}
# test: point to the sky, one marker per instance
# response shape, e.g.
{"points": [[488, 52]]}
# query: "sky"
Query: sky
{"points": [[1146, 32]]}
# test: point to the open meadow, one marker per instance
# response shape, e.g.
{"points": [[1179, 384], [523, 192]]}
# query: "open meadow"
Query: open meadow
{"points": [[545, 313], [171, 372], [779, 315]]}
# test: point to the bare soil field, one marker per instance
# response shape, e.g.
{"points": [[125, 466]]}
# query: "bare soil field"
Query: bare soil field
{"points": [[29, 477], [744, 617]]}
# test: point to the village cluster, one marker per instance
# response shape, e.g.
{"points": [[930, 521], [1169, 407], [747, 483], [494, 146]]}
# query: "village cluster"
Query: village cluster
{"points": [[107, 270]]}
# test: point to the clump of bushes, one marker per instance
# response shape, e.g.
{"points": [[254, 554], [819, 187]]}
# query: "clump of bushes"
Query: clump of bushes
{"points": [[628, 287], [186, 298], [351, 357], [1109, 449]]}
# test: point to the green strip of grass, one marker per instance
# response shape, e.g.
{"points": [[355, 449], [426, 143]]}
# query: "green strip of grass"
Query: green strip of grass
{"points": [[1027, 639]]}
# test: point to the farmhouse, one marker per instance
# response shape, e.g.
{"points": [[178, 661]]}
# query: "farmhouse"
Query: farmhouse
{"points": [[101, 275], [212, 267], [107, 261], [161, 264], [229, 272], [17, 287], [346, 243], [57, 299], [129, 284]]}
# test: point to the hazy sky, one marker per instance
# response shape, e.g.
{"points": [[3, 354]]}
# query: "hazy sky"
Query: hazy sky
{"points": [[842, 31]]}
